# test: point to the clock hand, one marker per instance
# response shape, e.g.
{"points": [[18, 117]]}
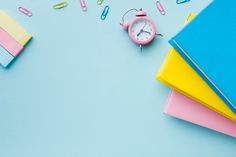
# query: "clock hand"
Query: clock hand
{"points": [[141, 31], [144, 25], [146, 32]]}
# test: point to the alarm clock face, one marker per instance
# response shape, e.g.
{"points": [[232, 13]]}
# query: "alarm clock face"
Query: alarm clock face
{"points": [[142, 31]]}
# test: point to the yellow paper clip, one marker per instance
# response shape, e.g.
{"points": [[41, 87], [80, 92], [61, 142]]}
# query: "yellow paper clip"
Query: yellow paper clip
{"points": [[60, 5], [99, 2]]}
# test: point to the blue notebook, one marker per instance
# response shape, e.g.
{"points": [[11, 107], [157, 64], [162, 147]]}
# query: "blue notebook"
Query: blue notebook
{"points": [[208, 44]]}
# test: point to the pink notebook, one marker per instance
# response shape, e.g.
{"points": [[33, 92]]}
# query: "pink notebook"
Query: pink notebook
{"points": [[184, 108], [9, 43]]}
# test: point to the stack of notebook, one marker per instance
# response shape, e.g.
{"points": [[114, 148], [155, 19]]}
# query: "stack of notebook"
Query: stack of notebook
{"points": [[200, 69], [13, 39]]}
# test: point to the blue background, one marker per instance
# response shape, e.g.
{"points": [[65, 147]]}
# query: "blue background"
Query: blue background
{"points": [[81, 88]]}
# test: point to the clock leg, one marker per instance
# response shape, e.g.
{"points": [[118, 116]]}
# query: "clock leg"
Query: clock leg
{"points": [[141, 48], [159, 35]]}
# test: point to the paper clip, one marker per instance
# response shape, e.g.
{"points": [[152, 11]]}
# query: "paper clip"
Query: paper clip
{"points": [[160, 8], [83, 5], [105, 12], [60, 5], [25, 11], [181, 1], [99, 2]]}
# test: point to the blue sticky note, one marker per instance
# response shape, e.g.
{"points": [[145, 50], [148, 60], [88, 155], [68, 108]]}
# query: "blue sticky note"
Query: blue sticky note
{"points": [[5, 57]]}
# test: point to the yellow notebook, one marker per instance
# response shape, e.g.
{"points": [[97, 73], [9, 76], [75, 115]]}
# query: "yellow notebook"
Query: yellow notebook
{"points": [[14, 29], [177, 74]]}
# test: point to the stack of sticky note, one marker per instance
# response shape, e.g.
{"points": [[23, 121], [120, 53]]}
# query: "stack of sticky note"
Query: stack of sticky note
{"points": [[200, 69], [13, 38]]}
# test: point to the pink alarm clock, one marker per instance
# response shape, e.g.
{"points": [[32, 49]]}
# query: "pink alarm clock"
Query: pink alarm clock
{"points": [[141, 30]]}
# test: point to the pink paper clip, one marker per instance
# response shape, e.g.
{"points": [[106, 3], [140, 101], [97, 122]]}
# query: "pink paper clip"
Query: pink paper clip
{"points": [[25, 11], [160, 8], [83, 5]]}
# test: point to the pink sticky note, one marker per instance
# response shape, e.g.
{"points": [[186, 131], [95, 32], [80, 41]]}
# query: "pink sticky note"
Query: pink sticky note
{"points": [[9, 43], [186, 109]]}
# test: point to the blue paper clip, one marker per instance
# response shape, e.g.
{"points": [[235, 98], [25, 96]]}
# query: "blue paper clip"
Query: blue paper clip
{"points": [[105, 12], [181, 1]]}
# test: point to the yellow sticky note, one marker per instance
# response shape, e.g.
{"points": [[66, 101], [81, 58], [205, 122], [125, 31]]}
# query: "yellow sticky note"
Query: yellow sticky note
{"points": [[177, 74], [14, 29]]}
